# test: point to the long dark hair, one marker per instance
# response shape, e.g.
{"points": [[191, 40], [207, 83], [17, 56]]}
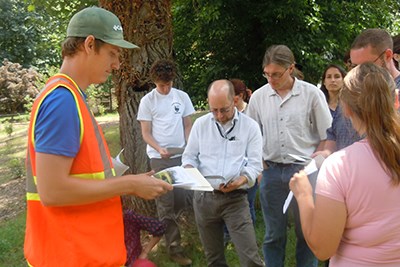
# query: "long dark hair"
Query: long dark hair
{"points": [[323, 87]]}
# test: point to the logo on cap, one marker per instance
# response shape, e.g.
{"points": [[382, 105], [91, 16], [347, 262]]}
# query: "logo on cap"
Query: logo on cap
{"points": [[117, 28]]}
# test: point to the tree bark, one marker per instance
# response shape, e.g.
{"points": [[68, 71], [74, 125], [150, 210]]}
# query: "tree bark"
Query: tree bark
{"points": [[147, 24]]}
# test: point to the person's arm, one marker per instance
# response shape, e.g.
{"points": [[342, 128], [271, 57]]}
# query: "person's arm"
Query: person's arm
{"points": [[325, 148], [57, 188], [323, 222], [190, 155], [149, 246], [187, 125], [149, 139], [154, 227]]}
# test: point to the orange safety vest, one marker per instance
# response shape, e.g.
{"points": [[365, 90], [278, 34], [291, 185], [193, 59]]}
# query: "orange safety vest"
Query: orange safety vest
{"points": [[80, 235]]}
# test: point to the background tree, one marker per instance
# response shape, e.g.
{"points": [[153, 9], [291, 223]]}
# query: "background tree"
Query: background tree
{"points": [[147, 24], [212, 40], [21, 33], [217, 39]]}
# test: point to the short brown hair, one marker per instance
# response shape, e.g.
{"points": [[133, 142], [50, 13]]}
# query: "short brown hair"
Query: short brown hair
{"points": [[71, 45], [163, 70], [378, 39]]}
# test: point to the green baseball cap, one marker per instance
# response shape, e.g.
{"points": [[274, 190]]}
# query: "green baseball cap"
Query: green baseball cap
{"points": [[100, 23]]}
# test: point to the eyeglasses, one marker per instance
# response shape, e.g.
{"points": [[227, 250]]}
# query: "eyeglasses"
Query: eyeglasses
{"points": [[221, 110], [274, 76], [352, 66]]}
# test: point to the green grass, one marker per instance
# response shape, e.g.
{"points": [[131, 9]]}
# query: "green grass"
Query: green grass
{"points": [[11, 241], [12, 231]]}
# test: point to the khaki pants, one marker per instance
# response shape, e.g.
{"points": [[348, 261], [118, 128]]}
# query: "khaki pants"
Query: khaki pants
{"points": [[212, 210]]}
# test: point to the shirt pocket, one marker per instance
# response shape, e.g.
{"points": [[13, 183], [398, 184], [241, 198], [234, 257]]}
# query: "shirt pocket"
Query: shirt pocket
{"points": [[298, 121], [235, 147]]}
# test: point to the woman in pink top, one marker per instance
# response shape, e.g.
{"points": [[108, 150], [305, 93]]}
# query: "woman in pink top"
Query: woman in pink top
{"points": [[355, 218]]}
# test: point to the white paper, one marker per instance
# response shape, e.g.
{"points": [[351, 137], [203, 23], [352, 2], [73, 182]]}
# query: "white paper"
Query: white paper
{"points": [[186, 178], [183, 185], [287, 202], [300, 158], [310, 168], [119, 167]]}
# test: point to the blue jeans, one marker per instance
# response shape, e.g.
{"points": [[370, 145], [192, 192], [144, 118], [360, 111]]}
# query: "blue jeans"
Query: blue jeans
{"points": [[251, 197], [274, 188]]}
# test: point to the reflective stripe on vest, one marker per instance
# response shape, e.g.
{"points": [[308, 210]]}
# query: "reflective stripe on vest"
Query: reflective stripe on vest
{"points": [[61, 80]]}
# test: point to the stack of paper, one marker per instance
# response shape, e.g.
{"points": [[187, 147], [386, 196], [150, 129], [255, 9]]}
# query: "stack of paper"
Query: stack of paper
{"points": [[186, 178]]}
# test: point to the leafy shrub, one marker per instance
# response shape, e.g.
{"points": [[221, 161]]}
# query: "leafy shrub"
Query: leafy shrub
{"points": [[17, 86], [17, 167], [8, 127]]}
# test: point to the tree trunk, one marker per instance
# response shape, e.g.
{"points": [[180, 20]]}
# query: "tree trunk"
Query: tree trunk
{"points": [[147, 24]]}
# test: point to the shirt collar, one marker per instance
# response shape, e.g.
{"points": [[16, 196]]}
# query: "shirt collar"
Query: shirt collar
{"points": [[295, 89]]}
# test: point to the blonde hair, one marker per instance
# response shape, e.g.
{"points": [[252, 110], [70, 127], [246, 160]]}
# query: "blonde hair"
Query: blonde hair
{"points": [[367, 92]]}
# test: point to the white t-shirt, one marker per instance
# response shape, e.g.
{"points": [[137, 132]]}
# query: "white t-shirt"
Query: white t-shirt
{"points": [[371, 236], [166, 113]]}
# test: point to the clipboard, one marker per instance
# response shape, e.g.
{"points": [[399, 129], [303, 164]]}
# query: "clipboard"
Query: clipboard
{"points": [[175, 150]]}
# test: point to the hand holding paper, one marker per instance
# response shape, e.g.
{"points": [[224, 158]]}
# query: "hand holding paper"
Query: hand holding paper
{"points": [[186, 178], [313, 166]]}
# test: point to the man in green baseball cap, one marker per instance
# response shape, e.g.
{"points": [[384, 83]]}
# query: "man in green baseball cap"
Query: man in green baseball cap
{"points": [[100, 23], [74, 212]]}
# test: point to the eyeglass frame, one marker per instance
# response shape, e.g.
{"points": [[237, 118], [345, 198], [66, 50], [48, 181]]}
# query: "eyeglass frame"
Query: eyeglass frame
{"points": [[277, 75], [224, 110], [352, 66]]}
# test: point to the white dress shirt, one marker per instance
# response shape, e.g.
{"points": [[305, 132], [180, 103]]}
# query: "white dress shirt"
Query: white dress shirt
{"points": [[229, 151]]}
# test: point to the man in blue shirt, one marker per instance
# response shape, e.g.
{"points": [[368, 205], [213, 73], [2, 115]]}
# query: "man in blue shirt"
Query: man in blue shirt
{"points": [[371, 45]]}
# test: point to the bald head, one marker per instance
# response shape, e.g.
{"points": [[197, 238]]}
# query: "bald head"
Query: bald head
{"points": [[220, 100], [221, 88]]}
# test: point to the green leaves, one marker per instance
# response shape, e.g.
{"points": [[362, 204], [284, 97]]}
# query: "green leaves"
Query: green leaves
{"points": [[227, 39]]}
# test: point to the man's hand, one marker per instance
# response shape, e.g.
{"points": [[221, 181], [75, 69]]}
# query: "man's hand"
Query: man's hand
{"points": [[164, 153], [233, 184], [325, 153], [148, 187]]}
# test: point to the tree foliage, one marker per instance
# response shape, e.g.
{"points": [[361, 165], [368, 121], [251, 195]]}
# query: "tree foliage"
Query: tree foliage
{"points": [[21, 33], [227, 39], [212, 39], [31, 31]]}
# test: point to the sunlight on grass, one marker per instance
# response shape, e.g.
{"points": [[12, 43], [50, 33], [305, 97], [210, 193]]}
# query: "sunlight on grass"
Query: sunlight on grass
{"points": [[12, 151], [111, 134]]}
